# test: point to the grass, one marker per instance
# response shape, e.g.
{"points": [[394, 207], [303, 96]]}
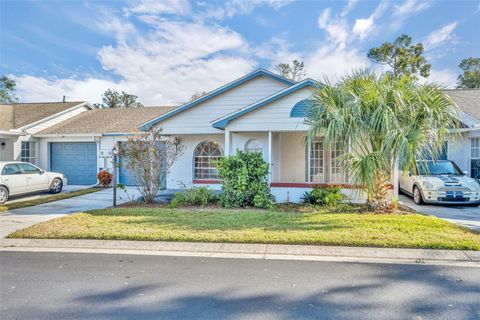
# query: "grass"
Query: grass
{"points": [[50, 198], [322, 227]]}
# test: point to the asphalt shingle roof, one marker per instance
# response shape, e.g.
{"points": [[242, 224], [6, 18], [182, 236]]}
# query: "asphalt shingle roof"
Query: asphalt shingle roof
{"points": [[14, 116], [468, 100], [121, 120]]}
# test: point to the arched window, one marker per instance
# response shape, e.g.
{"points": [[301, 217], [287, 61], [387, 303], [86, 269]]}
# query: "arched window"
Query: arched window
{"points": [[253, 145], [205, 160]]}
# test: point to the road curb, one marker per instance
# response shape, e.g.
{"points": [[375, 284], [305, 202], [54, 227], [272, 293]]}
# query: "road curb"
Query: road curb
{"points": [[248, 251]]}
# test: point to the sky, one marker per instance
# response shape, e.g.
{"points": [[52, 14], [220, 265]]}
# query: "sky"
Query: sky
{"points": [[163, 51]]}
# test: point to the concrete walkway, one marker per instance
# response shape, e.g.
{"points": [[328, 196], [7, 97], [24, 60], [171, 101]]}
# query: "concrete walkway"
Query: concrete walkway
{"points": [[462, 215], [21, 218], [249, 251]]}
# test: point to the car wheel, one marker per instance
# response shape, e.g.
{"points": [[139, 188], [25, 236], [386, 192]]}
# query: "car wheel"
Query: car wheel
{"points": [[3, 195], [56, 186], [417, 196]]}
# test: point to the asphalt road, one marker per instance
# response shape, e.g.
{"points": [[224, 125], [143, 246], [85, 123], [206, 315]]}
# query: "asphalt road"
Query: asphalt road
{"points": [[102, 286]]}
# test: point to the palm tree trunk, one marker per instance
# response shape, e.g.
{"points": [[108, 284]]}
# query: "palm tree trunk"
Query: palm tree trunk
{"points": [[379, 199]]}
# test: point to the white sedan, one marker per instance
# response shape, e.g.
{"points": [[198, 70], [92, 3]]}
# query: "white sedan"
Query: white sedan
{"points": [[23, 177], [440, 181]]}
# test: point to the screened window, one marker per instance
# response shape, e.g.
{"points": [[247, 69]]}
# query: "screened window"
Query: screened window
{"points": [[205, 160], [28, 152], [253, 145], [317, 157], [326, 163], [475, 161]]}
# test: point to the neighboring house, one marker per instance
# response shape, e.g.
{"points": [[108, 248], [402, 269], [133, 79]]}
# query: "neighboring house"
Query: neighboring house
{"points": [[20, 122], [258, 112], [465, 149], [82, 145]]}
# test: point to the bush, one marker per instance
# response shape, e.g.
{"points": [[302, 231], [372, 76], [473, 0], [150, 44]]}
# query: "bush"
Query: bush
{"points": [[194, 196], [105, 178], [245, 181], [328, 197]]}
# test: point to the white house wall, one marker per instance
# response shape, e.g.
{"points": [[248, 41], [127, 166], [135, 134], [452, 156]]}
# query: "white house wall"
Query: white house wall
{"points": [[197, 120], [182, 170], [274, 116], [460, 151], [6, 149]]}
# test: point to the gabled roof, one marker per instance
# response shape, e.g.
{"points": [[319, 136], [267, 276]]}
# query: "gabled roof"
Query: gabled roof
{"points": [[216, 92], [18, 115], [467, 100], [100, 121], [222, 122]]}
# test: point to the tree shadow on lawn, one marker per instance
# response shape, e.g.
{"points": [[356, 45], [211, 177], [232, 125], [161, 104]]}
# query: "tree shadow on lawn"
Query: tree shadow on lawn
{"points": [[425, 293]]}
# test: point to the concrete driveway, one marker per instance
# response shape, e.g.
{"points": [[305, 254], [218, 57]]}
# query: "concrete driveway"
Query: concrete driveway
{"points": [[462, 215], [21, 218], [34, 196]]}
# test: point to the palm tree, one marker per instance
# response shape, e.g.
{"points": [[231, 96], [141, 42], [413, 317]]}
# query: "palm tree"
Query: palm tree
{"points": [[384, 120]]}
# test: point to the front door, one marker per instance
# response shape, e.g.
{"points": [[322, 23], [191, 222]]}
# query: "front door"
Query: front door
{"points": [[14, 178], [37, 180]]}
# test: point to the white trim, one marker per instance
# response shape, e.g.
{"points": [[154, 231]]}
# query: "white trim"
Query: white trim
{"points": [[270, 169], [33, 124]]}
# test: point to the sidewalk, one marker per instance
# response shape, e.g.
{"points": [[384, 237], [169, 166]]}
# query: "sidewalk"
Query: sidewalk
{"points": [[21, 218], [249, 251]]}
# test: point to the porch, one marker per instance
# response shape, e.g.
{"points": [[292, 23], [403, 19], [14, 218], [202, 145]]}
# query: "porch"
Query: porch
{"points": [[296, 166]]}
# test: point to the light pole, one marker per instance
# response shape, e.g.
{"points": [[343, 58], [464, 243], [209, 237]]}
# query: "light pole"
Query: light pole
{"points": [[115, 161]]}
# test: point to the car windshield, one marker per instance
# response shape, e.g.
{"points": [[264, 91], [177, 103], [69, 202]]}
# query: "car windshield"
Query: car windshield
{"points": [[438, 168]]}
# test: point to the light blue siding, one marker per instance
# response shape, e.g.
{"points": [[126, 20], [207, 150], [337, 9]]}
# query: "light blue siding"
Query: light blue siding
{"points": [[76, 160]]}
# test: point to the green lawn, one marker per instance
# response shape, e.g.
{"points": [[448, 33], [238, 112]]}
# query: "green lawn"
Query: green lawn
{"points": [[50, 198], [258, 226]]}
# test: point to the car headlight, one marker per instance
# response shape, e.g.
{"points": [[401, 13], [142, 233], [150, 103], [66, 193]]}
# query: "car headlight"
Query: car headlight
{"points": [[427, 185]]}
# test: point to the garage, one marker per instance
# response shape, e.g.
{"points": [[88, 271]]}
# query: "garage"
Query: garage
{"points": [[76, 160]]}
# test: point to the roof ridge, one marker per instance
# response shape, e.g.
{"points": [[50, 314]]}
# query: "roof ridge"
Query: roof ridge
{"points": [[47, 102]]}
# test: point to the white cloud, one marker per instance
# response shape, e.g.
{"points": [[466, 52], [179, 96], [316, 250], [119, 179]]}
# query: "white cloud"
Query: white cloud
{"points": [[365, 27], [333, 62], [162, 66], [444, 77], [408, 8], [336, 27], [178, 7], [441, 35]]}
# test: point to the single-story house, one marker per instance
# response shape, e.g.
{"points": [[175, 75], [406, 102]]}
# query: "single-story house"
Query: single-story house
{"points": [[20, 122], [260, 111], [81, 146]]}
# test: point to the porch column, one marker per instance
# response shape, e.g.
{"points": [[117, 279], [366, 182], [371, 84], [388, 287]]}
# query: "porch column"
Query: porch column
{"points": [[269, 157], [395, 178], [227, 142]]}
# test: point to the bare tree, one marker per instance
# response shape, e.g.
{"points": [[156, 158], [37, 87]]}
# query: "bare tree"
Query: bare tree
{"points": [[197, 94], [294, 71], [149, 156]]}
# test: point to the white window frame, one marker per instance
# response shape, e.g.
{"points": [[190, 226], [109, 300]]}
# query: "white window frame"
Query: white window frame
{"points": [[331, 165], [28, 146], [254, 145], [211, 167], [475, 150]]}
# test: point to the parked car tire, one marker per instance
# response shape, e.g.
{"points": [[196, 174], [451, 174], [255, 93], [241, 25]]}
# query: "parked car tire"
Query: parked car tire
{"points": [[3, 194], [417, 196], [56, 186]]}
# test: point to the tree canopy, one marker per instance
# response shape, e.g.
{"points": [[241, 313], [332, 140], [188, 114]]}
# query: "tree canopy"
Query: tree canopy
{"points": [[385, 120], [405, 58], [7, 90], [294, 71], [470, 78], [114, 99]]}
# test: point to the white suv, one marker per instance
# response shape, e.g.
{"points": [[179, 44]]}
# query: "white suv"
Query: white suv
{"points": [[23, 177], [440, 181]]}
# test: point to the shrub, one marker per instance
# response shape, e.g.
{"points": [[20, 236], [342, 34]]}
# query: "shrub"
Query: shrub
{"points": [[105, 178], [194, 196], [245, 181], [329, 197]]}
